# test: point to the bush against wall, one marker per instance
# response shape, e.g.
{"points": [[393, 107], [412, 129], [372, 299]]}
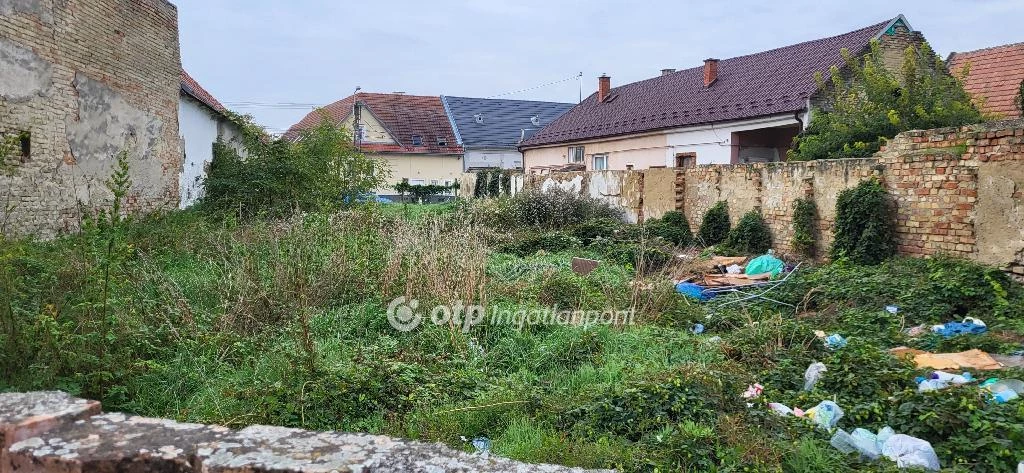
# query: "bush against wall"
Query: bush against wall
{"points": [[673, 227], [865, 227], [750, 237], [805, 224], [422, 192], [714, 228], [865, 104], [553, 209], [321, 170], [492, 183]]}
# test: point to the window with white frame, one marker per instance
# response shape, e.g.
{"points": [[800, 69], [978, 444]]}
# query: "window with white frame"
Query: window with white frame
{"points": [[600, 162], [575, 154]]}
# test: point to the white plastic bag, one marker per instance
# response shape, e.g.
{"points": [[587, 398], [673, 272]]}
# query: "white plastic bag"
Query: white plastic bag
{"points": [[909, 451], [813, 374]]}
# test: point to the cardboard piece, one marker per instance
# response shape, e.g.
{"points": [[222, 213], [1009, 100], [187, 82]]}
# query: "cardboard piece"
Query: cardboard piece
{"points": [[583, 266], [976, 359]]}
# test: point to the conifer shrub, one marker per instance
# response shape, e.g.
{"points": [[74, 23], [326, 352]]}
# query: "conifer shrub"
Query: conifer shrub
{"points": [[865, 228], [673, 227], [714, 228], [805, 224], [751, 235]]}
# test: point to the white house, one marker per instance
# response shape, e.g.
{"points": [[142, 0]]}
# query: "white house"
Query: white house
{"points": [[202, 120]]}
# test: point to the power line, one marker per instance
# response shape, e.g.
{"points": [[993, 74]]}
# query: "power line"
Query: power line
{"points": [[567, 79]]}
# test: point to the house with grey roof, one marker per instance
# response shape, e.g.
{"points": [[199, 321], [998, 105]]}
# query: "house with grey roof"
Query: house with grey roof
{"points": [[491, 130]]}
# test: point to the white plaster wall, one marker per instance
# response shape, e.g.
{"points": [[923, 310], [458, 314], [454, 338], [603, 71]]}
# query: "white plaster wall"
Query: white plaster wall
{"points": [[493, 158], [713, 144], [198, 130]]}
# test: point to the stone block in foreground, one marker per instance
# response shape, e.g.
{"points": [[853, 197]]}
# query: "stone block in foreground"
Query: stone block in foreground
{"points": [[259, 449], [114, 443], [26, 415]]}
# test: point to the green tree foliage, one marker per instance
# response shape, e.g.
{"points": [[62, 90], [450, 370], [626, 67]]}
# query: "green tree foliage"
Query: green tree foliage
{"points": [[865, 228], [714, 228], [421, 192], [865, 104], [321, 170], [805, 224], [751, 235]]}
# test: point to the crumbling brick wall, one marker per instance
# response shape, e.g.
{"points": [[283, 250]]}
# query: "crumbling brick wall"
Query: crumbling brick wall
{"points": [[86, 79], [958, 191]]}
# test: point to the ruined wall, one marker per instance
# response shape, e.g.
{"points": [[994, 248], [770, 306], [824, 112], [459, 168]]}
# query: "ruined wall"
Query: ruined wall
{"points": [[86, 79], [958, 191], [51, 432]]}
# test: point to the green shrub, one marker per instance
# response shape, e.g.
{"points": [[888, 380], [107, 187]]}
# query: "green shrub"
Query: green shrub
{"points": [[321, 170], [750, 236], [553, 209], [865, 228], [598, 228], [551, 242], [714, 228], [673, 227], [805, 227]]}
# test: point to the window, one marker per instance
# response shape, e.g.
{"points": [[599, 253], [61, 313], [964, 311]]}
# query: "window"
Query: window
{"points": [[686, 160], [600, 162], [442, 141], [575, 154], [417, 140], [416, 182]]}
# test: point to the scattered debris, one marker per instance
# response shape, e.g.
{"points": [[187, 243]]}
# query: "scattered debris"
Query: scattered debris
{"points": [[766, 264], [970, 325], [583, 266], [753, 391], [734, 269], [482, 444], [826, 414], [975, 359], [835, 341], [905, 450], [892, 309], [813, 374], [697, 329], [942, 380], [1005, 390]]}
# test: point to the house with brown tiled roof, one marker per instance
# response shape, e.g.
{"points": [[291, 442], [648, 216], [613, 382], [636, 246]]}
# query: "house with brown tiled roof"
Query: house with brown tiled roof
{"points": [[202, 121], [994, 77], [411, 133], [739, 110]]}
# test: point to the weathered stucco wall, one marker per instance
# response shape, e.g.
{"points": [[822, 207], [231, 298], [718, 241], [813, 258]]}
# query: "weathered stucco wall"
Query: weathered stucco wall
{"points": [[958, 191], [86, 79]]}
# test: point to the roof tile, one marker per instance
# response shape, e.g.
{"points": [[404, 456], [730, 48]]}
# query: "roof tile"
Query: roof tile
{"points": [[995, 76]]}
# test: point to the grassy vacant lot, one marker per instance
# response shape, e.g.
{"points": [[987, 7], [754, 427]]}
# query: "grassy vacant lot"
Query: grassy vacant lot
{"points": [[201, 318]]}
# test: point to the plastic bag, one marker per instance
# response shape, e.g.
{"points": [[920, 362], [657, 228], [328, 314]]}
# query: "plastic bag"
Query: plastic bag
{"points": [[734, 269], [813, 374], [826, 414], [909, 451], [765, 264], [862, 441]]}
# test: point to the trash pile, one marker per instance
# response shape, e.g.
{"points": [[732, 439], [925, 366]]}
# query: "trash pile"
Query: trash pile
{"points": [[906, 451], [723, 272]]}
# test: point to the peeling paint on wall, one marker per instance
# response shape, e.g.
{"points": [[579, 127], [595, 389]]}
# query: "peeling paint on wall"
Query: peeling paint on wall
{"points": [[107, 124], [23, 74]]}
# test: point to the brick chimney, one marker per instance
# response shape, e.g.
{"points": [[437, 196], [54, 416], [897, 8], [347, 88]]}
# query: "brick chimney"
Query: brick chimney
{"points": [[710, 71], [604, 86], [666, 72]]}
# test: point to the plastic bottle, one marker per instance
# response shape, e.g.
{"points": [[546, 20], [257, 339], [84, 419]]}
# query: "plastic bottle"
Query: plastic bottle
{"points": [[953, 378]]}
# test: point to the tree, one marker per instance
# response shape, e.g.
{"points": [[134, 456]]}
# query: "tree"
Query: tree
{"points": [[320, 171], [864, 104]]}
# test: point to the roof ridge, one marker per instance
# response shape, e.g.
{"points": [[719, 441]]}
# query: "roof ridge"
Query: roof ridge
{"points": [[508, 100], [990, 48]]}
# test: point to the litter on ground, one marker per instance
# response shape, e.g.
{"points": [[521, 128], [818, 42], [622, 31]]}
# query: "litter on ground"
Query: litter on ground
{"points": [[975, 359]]}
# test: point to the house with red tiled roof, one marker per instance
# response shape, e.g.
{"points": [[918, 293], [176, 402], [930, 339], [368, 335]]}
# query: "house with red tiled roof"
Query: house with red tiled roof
{"points": [[202, 121], [739, 110], [994, 77], [412, 133]]}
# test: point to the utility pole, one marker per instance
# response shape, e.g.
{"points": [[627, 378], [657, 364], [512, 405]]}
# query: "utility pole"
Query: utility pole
{"points": [[356, 118]]}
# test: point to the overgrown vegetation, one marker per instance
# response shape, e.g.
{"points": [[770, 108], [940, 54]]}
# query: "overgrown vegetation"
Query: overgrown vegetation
{"points": [[751, 236], [422, 192], [320, 171], [714, 228], [866, 104], [865, 228], [805, 227], [673, 227]]}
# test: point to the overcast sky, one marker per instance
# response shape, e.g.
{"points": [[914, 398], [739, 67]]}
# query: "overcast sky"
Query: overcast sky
{"points": [[317, 51]]}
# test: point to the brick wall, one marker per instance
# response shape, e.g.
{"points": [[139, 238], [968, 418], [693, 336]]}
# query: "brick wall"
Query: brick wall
{"points": [[86, 78], [958, 191]]}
